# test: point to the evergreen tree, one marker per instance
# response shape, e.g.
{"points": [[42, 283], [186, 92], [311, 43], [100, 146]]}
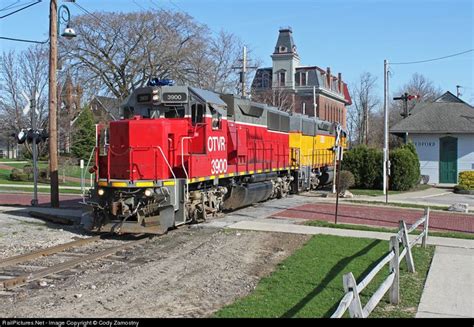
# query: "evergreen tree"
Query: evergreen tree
{"points": [[83, 137]]}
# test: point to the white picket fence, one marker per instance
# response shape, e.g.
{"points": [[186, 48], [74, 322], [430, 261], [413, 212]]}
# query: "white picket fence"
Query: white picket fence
{"points": [[351, 299]]}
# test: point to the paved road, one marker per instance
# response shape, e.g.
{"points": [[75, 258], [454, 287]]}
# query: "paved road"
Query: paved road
{"points": [[24, 199], [431, 196], [379, 216]]}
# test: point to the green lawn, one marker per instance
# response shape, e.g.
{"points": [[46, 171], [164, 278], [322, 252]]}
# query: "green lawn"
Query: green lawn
{"points": [[319, 223], [309, 282], [68, 171], [5, 189]]}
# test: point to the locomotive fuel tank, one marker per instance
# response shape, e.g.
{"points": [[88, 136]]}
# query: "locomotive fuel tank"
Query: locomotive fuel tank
{"points": [[326, 177], [243, 195]]}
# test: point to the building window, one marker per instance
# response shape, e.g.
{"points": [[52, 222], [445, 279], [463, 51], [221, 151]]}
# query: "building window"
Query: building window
{"points": [[300, 78], [303, 79], [281, 78], [265, 80]]}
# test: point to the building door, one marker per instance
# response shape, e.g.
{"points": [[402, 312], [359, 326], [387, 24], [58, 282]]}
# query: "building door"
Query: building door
{"points": [[448, 163]]}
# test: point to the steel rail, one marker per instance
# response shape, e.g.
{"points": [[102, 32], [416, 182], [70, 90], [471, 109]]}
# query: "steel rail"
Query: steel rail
{"points": [[44, 252], [24, 279]]}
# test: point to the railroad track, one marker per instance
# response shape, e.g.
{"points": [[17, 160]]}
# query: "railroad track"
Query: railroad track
{"points": [[9, 280]]}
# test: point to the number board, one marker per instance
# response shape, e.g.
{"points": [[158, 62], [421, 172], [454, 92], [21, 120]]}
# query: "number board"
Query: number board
{"points": [[175, 97], [144, 98]]}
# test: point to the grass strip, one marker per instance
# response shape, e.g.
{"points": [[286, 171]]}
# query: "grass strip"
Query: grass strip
{"points": [[308, 284]]}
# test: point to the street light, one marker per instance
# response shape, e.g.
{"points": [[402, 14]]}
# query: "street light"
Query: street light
{"points": [[64, 16], [56, 17]]}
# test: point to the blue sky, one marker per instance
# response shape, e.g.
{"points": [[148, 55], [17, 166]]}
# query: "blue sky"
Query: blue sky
{"points": [[349, 36]]}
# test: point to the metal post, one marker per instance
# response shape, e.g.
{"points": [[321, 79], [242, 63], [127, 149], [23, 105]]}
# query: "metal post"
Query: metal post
{"points": [[388, 181], [385, 110], [34, 201], [244, 70], [314, 101], [53, 62], [82, 175], [424, 240], [338, 164]]}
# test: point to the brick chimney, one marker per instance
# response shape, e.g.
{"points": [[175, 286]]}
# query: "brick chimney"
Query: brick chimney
{"points": [[339, 82], [328, 71]]}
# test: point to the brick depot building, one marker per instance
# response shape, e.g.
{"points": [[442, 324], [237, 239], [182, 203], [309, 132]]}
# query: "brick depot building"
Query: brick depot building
{"points": [[308, 90]]}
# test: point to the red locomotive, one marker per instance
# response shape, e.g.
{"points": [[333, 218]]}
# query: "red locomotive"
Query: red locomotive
{"points": [[182, 153]]}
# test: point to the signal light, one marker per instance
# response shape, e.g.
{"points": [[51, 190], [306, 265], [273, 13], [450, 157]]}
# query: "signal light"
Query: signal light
{"points": [[28, 135], [21, 137], [411, 97]]}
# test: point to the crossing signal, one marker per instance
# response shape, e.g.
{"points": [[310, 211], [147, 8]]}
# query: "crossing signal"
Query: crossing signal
{"points": [[29, 135]]}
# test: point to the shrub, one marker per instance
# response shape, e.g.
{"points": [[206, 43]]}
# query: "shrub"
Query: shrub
{"points": [[346, 180], [83, 139], [366, 166], [43, 174], [28, 170], [18, 175], [466, 180], [405, 169], [461, 187]]}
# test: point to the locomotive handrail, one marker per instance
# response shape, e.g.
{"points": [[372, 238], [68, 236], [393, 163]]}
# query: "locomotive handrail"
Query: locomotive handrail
{"points": [[186, 191], [174, 177]]}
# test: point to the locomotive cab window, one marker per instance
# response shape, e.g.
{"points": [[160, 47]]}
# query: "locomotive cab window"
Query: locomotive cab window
{"points": [[216, 118], [197, 113], [174, 112]]}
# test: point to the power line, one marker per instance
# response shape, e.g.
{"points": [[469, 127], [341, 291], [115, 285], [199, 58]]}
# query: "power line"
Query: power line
{"points": [[23, 40], [13, 12], [10, 6], [434, 59]]}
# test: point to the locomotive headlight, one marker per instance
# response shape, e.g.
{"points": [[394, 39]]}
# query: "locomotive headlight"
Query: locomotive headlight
{"points": [[101, 191], [148, 192], [156, 97]]}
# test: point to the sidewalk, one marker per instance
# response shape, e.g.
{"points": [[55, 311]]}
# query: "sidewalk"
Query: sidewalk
{"points": [[449, 289]]}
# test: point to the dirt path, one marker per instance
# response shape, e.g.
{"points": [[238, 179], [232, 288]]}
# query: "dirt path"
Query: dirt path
{"points": [[190, 272]]}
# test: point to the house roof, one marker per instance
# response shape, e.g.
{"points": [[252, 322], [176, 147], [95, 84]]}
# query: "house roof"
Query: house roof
{"points": [[110, 105], [447, 114], [316, 77]]}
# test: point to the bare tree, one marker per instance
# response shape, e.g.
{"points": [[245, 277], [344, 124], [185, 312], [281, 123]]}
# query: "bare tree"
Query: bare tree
{"points": [[164, 44], [364, 106], [417, 85], [276, 97], [23, 74]]}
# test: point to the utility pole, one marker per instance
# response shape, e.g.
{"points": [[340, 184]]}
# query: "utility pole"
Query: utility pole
{"points": [[53, 62], [458, 93], [385, 110], [243, 72]]}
